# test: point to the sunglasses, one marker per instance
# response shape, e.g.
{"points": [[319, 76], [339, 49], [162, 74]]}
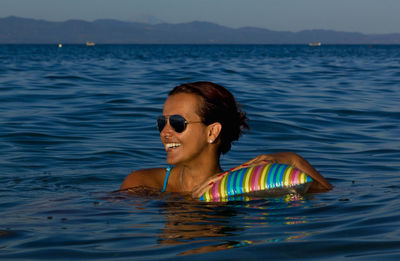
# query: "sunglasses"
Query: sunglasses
{"points": [[177, 122]]}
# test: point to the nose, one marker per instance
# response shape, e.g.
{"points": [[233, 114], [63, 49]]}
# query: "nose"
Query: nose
{"points": [[167, 130]]}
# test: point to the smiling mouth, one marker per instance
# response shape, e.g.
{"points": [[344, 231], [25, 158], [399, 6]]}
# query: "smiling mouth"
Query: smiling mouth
{"points": [[172, 145]]}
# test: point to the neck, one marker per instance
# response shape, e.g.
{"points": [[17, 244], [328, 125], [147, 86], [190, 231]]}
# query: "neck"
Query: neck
{"points": [[192, 175]]}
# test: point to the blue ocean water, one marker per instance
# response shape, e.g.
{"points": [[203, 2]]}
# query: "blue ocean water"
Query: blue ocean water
{"points": [[74, 121]]}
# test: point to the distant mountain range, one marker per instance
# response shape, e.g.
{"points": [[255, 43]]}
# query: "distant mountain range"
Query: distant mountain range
{"points": [[15, 30]]}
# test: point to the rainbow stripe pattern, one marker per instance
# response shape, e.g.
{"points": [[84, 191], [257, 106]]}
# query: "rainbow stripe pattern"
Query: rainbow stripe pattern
{"points": [[265, 178]]}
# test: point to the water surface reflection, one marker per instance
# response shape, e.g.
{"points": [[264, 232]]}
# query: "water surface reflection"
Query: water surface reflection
{"points": [[199, 227]]}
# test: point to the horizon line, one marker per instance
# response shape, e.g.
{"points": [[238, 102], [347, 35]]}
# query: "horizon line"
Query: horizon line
{"points": [[194, 21]]}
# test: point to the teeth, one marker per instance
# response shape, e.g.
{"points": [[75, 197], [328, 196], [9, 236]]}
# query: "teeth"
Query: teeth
{"points": [[172, 145]]}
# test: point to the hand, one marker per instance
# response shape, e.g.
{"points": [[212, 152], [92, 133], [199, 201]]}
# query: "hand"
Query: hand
{"points": [[203, 187], [199, 190], [260, 159]]}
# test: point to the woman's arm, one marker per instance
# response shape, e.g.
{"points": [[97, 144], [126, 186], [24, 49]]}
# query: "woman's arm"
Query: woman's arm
{"points": [[320, 184]]}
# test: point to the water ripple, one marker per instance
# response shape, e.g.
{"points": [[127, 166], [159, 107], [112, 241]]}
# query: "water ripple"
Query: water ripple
{"points": [[74, 121]]}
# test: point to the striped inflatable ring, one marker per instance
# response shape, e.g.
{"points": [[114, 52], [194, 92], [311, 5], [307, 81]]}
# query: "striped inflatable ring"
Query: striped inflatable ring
{"points": [[259, 181]]}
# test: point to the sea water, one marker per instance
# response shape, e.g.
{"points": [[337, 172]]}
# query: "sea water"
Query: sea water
{"points": [[76, 120]]}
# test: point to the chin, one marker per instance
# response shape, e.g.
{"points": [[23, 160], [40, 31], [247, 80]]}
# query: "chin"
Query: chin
{"points": [[172, 161]]}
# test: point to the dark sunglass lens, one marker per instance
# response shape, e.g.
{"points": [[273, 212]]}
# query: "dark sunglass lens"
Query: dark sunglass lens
{"points": [[161, 121], [177, 122]]}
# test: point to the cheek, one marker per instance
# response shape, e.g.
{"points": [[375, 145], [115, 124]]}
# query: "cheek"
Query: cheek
{"points": [[195, 138]]}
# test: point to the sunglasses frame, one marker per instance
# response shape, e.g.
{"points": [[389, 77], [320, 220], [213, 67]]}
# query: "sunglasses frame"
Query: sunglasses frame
{"points": [[176, 119]]}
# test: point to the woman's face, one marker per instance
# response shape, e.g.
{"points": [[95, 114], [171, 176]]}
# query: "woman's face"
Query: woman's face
{"points": [[189, 145]]}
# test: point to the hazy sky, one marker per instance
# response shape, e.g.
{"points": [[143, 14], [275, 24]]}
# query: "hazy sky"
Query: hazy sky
{"points": [[367, 16]]}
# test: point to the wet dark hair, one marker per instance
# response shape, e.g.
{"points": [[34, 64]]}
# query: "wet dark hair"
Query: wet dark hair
{"points": [[219, 105]]}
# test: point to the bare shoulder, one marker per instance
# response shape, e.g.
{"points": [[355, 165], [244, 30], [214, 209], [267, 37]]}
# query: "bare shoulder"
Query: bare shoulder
{"points": [[144, 177]]}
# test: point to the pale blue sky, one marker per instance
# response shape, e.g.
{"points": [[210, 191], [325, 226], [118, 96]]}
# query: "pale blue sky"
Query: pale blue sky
{"points": [[366, 16]]}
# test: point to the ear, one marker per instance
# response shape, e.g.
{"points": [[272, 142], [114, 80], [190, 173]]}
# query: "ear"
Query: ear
{"points": [[213, 131]]}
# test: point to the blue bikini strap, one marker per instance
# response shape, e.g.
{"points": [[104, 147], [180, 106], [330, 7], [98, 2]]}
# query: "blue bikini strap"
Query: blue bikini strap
{"points": [[166, 179]]}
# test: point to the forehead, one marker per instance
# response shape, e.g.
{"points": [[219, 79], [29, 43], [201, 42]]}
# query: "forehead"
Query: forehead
{"points": [[183, 104]]}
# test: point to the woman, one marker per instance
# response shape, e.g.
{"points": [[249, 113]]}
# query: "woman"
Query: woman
{"points": [[200, 121]]}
